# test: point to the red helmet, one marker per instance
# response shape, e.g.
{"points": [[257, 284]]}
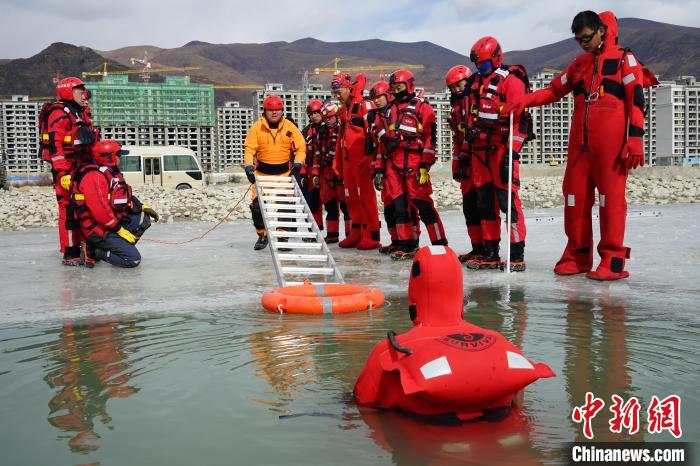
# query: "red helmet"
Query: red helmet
{"points": [[406, 77], [273, 102], [456, 74], [314, 106], [64, 88], [341, 80], [106, 152], [329, 109], [380, 88], [487, 48]]}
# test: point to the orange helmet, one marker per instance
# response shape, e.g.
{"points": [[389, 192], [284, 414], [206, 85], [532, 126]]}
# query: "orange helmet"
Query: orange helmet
{"points": [[106, 152], [64, 88], [273, 102], [456, 74]]}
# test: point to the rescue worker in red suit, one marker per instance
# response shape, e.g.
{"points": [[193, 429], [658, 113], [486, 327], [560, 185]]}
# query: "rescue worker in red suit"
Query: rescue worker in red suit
{"points": [[376, 118], [67, 137], [408, 140], [353, 165], [605, 142], [458, 80], [488, 139], [309, 171], [331, 185], [443, 365], [112, 220]]}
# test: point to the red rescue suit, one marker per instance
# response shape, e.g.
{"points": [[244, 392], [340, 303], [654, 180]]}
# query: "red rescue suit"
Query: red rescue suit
{"points": [[102, 198], [376, 120], [67, 137], [488, 140], [408, 137], [331, 186], [356, 170], [461, 166], [608, 112], [443, 365], [309, 172]]}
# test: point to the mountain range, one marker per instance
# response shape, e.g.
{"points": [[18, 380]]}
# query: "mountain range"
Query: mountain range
{"points": [[668, 50]]}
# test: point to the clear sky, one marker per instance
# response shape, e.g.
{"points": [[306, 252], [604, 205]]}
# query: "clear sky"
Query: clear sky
{"points": [[28, 26]]}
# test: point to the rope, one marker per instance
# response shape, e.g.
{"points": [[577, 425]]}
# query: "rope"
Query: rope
{"points": [[161, 241]]}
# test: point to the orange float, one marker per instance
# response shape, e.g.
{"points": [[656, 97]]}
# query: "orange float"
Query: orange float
{"points": [[332, 298]]}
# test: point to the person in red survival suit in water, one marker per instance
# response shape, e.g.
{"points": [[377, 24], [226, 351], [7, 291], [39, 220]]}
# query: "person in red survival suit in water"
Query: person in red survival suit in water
{"points": [[488, 141], [605, 142], [110, 217], [443, 365], [67, 137], [353, 165], [309, 172], [408, 142], [331, 185], [376, 124], [458, 80]]}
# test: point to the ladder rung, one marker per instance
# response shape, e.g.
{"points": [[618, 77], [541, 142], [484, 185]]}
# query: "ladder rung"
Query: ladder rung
{"points": [[281, 198], [277, 207], [292, 234], [307, 270], [282, 244], [287, 215], [289, 224], [278, 179], [272, 184], [268, 192], [303, 257]]}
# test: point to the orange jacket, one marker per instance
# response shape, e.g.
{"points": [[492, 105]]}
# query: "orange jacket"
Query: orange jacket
{"points": [[274, 146]]}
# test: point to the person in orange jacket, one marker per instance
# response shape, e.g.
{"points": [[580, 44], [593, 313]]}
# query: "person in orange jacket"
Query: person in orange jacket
{"points": [[268, 146], [67, 137], [353, 165], [605, 142]]}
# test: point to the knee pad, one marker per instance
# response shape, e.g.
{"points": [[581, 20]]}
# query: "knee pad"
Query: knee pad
{"points": [[485, 201], [503, 204], [470, 209], [426, 211]]}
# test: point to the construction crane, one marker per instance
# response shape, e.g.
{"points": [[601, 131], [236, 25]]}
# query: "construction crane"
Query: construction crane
{"points": [[351, 69], [105, 72], [148, 67]]}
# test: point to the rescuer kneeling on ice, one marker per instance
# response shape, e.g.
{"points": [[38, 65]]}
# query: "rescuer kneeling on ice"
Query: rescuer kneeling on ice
{"points": [[111, 218]]}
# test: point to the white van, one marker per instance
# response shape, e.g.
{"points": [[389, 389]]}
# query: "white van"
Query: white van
{"points": [[168, 166]]}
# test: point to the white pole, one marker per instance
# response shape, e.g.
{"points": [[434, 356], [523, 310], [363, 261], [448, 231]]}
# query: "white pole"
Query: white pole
{"points": [[510, 189]]}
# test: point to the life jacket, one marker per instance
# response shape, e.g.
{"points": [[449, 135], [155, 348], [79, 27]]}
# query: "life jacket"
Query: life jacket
{"points": [[119, 197], [327, 138], [488, 98], [76, 142], [459, 116], [406, 122], [310, 133]]}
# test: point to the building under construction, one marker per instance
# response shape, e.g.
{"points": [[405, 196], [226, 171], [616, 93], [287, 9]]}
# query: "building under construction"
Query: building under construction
{"points": [[174, 112]]}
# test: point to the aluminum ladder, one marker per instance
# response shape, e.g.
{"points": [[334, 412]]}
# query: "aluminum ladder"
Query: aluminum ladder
{"points": [[283, 206]]}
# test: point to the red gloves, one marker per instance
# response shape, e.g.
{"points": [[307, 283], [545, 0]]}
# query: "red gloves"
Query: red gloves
{"points": [[632, 154]]}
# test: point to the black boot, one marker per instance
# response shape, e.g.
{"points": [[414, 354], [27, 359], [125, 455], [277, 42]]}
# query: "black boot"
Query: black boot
{"points": [[490, 260], [71, 256], [517, 257], [477, 252], [261, 243]]}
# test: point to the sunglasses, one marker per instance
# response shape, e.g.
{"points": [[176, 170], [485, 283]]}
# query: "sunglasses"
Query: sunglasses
{"points": [[585, 39]]}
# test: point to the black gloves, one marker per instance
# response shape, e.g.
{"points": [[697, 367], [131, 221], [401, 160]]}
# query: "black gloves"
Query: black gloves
{"points": [[250, 173], [296, 168], [378, 178]]}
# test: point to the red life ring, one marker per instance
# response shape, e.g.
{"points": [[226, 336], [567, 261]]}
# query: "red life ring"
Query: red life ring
{"points": [[333, 298]]}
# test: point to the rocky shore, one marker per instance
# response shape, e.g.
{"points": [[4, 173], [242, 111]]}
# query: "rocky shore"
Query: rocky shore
{"points": [[29, 207]]}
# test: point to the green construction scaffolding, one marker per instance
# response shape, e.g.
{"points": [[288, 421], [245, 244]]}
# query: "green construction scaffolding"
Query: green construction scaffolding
{"points": [[176, 101]]}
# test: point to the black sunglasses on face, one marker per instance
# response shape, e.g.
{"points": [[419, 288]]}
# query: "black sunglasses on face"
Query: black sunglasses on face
{"points": [[585, 39]]}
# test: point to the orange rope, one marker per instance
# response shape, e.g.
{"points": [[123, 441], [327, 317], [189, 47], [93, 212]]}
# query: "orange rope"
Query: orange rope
{"points": [[160, 241]]}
